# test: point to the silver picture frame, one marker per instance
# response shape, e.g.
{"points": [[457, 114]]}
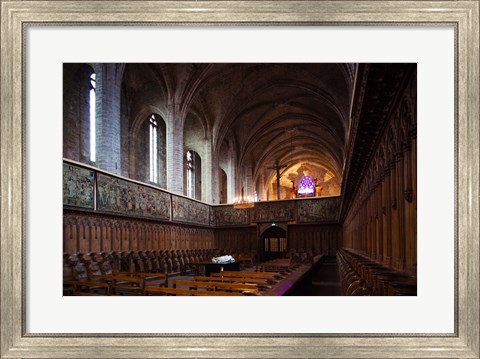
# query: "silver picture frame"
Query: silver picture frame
{"points": [[17, 15]]}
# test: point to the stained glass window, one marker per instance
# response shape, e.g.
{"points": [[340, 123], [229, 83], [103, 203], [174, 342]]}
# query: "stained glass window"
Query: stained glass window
{"points": [[306, 186]]}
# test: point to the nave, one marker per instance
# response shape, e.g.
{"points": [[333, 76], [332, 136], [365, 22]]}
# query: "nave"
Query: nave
{"points": [[183, 273], [313, 166]]}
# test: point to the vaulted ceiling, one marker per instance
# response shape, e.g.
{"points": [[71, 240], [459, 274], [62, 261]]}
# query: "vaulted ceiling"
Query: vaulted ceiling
{"points": [[294, 113]]}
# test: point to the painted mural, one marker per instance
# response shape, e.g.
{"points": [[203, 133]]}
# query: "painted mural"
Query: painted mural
{"points": [[229, 216], [274, 211], [186, 210], [318, 210], [78, 186], [120, 196]]}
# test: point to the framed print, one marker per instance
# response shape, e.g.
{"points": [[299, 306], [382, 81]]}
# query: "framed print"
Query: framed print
{"points": [[441, 37]]}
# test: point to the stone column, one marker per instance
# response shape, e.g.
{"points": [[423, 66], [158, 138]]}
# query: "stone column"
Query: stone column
{"points": [[248, 184], [108, 86], [175, 151], [261, 188], [231, 175], [210, 171]]}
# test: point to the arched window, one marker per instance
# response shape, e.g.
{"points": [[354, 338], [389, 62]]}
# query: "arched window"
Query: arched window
{"points": [[190, 175], [306, 187], [153, 147], [194, 171], [93, 133], [223, 187]]}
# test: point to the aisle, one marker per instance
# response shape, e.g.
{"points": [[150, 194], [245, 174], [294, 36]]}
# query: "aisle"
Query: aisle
{"points": [[324, 280]]}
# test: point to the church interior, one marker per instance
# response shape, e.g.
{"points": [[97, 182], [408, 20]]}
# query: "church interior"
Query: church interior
{"points": [[245, 179]]}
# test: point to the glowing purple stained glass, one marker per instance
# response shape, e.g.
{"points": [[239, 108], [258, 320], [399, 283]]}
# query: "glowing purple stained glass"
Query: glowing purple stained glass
{"points": [[306, 185]]}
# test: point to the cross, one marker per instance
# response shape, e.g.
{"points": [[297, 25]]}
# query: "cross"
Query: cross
{"points": [[277, 167]]}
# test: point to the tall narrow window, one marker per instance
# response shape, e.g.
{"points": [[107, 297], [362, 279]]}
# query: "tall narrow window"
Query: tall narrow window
{"points": [[190, 175], [153, 150], [194, 175], [93, 143]]}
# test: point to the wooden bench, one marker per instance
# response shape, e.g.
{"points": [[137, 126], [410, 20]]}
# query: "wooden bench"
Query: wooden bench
{"points": [[148, 276], [240, 274], [237, 287], [163, 278], [125, 285], [178, 291], [92, 287], [261, 283]]}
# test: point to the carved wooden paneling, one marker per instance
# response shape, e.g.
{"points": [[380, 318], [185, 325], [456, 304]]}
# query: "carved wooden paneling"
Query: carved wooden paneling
{"points": [[381, 222], [324, 239], [97, 233]]}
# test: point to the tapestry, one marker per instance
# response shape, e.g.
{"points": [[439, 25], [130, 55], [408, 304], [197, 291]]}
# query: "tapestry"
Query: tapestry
{"points": [[274, 211], [319, 210], [229, 216], [120, 196], [78, 186], [186, 210]]}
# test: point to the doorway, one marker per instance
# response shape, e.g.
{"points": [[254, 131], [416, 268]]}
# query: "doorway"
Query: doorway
{"points": [[274, 243]]}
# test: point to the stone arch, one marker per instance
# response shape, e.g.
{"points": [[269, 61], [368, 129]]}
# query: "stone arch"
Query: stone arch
{"points": [[197, 139], [139, 147]]}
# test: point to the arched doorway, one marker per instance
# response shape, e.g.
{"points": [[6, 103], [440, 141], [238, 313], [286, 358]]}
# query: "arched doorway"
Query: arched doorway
{"points": [[275, 244]]}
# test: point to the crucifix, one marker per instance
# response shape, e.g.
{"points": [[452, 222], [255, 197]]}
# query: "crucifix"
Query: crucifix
{"points": [[277, 167]]}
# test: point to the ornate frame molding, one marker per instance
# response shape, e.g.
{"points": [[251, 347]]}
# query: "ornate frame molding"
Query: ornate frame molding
{"points": [[15, 15]]}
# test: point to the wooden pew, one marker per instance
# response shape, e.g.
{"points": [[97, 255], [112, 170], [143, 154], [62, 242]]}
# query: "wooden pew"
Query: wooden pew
{"points": [[162, 277], [178, 291], [240, 274], [125, 285], [243, 288], [263, 283], [92, 287]]}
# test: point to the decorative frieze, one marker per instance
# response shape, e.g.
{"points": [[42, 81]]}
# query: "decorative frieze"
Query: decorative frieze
{"points": [[186, 210], [323, 210], [229, 216], [274, 211], [78, 186], [115, 195], [124, 197]]}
